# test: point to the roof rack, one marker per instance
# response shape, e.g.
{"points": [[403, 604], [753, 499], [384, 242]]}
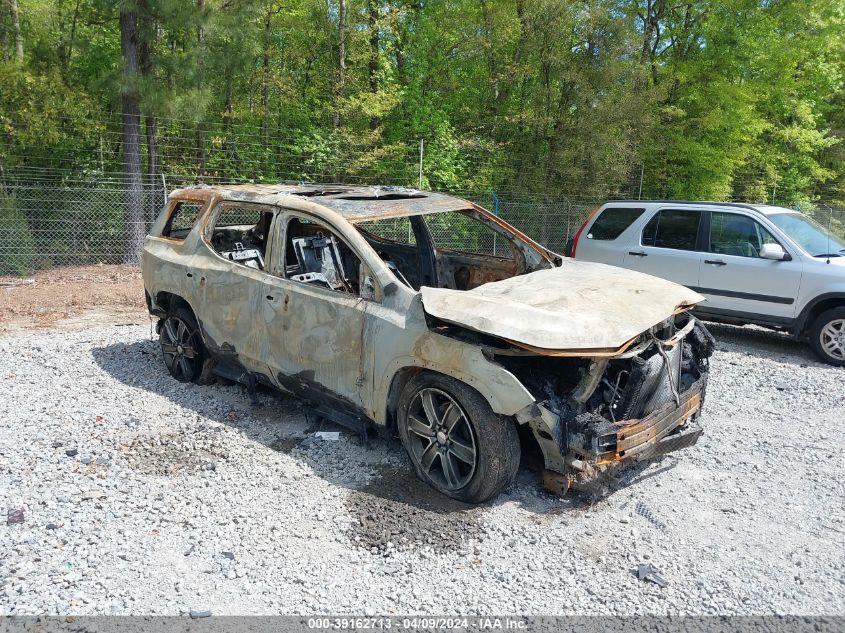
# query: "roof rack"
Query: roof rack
{"points": [[738, 205]]}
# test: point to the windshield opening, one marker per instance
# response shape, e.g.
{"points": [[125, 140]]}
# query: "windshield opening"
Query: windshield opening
{"points": [[810, 235], [460, 250]]}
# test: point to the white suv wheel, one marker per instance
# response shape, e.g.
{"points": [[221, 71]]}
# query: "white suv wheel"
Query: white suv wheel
{"points": [[827, 336], [832, 338]]}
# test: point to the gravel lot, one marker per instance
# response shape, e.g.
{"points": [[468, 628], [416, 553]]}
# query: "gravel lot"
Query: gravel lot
{"points": [[141, 495]]}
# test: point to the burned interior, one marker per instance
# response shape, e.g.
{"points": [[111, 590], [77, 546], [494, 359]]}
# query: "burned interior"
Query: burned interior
{"points": [[423, 314], [240, 235], [459, 249]]}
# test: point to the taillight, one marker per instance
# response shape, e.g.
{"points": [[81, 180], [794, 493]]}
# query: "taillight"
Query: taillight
{"points": [[581, 230]]}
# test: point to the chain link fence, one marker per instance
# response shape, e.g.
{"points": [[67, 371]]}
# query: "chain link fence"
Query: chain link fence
{"points": [[48, 222], [43, 225]]}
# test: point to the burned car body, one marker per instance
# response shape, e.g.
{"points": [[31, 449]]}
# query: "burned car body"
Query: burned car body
{"points": [[412, 311]]}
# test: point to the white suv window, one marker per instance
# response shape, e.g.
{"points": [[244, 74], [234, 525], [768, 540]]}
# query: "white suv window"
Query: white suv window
{"points": [[612, 222], [672, 228], [738, 235]]}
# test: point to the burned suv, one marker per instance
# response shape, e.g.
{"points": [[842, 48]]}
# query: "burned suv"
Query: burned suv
{"points": [[421, 313]]}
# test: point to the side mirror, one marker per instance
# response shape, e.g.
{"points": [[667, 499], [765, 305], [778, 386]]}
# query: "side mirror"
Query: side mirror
{"points": [[774, 251]]}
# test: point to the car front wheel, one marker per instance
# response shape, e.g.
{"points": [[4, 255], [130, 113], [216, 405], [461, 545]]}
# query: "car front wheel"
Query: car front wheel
{"points": [[827, 336], [456, 442]]}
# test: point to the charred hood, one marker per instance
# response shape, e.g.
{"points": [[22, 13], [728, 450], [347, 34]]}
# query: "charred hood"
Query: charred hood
{"points": [[578, 306]]}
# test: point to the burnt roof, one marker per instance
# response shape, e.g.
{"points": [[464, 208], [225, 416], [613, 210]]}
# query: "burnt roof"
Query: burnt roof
{"points": [[356, 203]]}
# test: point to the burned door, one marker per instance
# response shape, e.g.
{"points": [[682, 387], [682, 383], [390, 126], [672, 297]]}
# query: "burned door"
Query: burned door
{"points": [[314, 315], [230, 285]]}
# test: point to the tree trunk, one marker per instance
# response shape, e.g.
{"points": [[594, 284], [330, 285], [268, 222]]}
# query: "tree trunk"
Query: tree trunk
{"points": [[134, 211], [655, 10], [340, 87], [491, 51], [372, 66], [66, 44], [229, 146], [154, 201], [16, 30], [265, 81], [147, 41], [200, 131]]}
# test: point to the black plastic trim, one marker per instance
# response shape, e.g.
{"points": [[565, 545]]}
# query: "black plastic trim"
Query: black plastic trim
{"points": [[744, 295], [738, 316], [801, 321]]}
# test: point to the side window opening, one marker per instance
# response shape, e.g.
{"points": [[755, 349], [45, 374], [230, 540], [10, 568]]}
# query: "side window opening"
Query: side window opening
{"points": [[612, 222], [394, 241], [314, 255], [672, 228], [738, 235], [396, 230], [457, 231], [240, 234], [181, 220]]}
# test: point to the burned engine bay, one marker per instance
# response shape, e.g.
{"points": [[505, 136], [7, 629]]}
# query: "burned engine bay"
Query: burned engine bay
{"points": [[640, 403]]}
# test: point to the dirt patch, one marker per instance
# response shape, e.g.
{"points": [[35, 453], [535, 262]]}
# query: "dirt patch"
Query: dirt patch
{"points": [[396, 511], [72, 297], [175, 453]]}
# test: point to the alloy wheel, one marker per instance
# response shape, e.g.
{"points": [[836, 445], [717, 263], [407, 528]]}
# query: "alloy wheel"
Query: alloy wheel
{"points": [[442, 439], [832, 339], [178, 348]]}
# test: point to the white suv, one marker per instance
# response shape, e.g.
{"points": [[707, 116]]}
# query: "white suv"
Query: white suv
{"points": [[755, 264]]}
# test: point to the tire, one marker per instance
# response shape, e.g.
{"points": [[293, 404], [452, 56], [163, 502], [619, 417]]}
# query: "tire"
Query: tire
{"points": [[467, 451], [181, 344], [827, 336]]}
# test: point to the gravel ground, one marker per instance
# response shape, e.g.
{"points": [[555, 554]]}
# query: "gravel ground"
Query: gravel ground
{"points": [[141, 495]]}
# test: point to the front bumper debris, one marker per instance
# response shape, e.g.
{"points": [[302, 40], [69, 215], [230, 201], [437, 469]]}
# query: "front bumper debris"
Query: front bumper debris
{"points": [[668, 429], [606, 414], [639, 439]]}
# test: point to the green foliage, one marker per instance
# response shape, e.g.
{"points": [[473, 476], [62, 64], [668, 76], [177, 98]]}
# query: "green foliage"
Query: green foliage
{"points": [[42, 121], [735, 99], [16, 236]]}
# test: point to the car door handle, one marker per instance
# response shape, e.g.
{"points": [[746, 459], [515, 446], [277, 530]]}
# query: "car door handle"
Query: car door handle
{"points": [[271, 298], [715, 262], [638, 253]]}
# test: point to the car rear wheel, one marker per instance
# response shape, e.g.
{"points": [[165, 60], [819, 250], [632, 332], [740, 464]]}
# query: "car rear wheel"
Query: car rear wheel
{"points": [[456, 442], [827, 336], [181, 345]]}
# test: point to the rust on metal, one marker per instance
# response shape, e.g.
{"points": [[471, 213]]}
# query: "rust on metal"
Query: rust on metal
{"points": [[556, 483], [546, 341]]}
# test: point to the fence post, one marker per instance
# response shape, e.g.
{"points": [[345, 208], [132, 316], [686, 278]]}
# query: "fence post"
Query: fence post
{"points": [[642, 173], [421, 163], [495, 200]]}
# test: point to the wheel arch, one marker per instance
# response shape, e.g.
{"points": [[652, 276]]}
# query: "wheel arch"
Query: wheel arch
{"points": [[166, 301], [812, 310], [397, 385], [502, 390]]}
